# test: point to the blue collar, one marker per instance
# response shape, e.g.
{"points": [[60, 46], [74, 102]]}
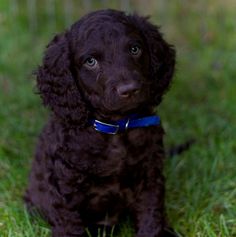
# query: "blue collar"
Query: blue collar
{"points": [[122, 125]]}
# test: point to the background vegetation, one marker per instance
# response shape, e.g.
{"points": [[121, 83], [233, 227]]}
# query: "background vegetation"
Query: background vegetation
{"points": [[201, 190]]}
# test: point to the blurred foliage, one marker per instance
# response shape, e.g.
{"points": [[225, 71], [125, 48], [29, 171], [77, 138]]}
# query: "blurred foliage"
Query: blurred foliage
{"points": [[201, 193]]}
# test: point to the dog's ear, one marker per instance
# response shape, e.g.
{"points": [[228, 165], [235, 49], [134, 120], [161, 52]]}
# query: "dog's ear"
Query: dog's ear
{"points": [[57, 86], [161, 56]]}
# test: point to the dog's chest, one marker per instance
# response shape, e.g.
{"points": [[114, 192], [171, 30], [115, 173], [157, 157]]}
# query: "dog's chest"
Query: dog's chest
{"points": [[112, 168], [112, 154], [115, 180]]}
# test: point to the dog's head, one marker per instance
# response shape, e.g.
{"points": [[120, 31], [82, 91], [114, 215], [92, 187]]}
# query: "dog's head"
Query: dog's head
{"points": [[107, 63]]}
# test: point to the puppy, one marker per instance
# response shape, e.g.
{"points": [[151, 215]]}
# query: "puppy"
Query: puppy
{"points": [[100, 155]]}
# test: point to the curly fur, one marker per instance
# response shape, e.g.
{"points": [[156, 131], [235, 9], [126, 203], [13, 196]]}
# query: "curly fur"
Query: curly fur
{"points": [[80, 177]]}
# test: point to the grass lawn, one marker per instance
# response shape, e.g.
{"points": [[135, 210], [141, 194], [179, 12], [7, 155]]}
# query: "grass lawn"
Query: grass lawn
{"points": [[201, 183]]}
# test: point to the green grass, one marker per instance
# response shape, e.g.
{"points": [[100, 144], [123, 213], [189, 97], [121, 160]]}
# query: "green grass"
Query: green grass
{"points": [[201, 190]]}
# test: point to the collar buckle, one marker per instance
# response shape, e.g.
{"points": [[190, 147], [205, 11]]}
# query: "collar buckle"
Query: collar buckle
{"points": [[127, 124]]}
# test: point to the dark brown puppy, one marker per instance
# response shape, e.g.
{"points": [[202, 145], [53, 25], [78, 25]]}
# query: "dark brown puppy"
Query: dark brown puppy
{"points": [[107, 66]]}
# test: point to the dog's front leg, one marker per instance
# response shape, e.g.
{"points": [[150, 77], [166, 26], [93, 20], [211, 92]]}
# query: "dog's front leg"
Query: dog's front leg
{"points": [[64, 219], [69, 226], [66, 222], [149, 209], [63, 207]]}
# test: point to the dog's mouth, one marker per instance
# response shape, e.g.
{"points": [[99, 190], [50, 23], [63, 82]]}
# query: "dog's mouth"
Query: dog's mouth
{"points": [[123, 106], [112, 102], [110, 105]]}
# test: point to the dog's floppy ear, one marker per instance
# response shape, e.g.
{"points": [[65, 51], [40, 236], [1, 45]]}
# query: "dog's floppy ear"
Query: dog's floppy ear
{"points": [[57, 86], [161, 55]]}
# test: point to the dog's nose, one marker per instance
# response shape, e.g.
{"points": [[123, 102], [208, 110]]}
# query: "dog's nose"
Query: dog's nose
{"points": [[127, 90]]}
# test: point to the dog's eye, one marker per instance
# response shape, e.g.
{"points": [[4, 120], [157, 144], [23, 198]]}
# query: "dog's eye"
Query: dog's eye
{"points": [[135, 50], [91, 62]]}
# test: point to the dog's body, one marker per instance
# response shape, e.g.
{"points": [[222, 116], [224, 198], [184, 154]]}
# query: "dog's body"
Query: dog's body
{"points": [[101, 180], [106, 67]]}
